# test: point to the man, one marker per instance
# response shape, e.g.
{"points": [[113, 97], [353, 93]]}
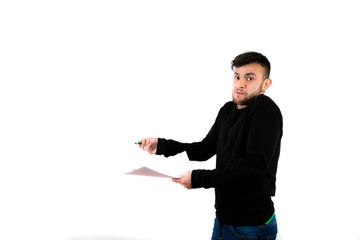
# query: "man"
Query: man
{"points": [[246, 139]]}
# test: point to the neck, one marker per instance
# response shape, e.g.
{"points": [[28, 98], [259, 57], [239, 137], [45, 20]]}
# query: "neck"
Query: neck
{"points": [[241, 106]]}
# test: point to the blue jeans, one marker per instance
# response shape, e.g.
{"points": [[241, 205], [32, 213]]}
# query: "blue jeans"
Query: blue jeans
{"points": [[230, 232]]}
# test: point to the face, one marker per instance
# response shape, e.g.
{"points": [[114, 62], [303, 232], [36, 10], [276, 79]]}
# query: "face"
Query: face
{"points": [[248, 84]]}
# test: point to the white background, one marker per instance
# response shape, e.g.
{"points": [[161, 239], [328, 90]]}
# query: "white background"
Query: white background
{"points": [[81, 81]]}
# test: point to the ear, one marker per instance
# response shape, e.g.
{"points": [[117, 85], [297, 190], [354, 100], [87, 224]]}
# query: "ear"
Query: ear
{"points": [[266, 84]]}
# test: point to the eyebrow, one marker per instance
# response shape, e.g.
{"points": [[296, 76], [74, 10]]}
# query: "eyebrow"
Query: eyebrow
{"points": [[246, 74], [249, 74]]}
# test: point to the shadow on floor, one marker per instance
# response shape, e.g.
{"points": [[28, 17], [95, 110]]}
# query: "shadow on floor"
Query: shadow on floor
{"points": [[103, 238]]}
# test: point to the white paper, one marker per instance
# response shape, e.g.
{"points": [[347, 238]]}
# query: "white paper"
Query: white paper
{"points": [[145, 171]]}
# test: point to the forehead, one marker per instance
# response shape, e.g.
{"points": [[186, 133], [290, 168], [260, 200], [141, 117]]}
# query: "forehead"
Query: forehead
{"points": [[255, 68]]}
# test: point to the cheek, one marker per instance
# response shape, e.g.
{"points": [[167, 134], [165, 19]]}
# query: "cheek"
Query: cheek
{"points": [[253, 88], [236, 83]]}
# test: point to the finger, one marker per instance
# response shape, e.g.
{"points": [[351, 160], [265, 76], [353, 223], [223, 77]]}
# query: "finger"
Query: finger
{"points": [[177, 180], [142, 141], [182, 175], [147, 145], [143, 144]]}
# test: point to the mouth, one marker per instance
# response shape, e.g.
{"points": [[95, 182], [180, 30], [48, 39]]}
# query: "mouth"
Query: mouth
{"points": [[240, 93]]}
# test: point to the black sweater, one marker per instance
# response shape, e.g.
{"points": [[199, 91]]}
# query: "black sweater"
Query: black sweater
{"points": [[247, 147]]}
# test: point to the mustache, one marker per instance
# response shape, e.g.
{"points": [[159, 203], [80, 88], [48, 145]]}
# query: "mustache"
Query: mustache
{"points": [[240, 91]]}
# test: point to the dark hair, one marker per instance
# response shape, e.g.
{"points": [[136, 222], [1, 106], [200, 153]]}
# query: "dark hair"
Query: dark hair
{"points": [[252, 57]]}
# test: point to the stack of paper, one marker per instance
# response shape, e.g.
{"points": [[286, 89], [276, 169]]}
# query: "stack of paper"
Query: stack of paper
{"points": [[145, 171]]}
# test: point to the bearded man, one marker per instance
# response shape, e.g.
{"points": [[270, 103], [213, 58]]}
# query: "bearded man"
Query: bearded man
{"points": [[246, 139]]}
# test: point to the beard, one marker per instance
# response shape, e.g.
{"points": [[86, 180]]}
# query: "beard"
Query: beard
{"points": [[248, 99]]}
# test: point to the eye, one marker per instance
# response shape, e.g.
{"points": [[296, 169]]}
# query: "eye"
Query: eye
{"points": [[236, 77], [249, 78]]}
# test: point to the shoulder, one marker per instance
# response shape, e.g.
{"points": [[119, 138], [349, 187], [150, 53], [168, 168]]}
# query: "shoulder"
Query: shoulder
{"points": [[229, 106], [265, 104], [226, 109]]}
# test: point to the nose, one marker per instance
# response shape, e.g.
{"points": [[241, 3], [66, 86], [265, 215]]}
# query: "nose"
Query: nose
{"points": [[241, 83]]}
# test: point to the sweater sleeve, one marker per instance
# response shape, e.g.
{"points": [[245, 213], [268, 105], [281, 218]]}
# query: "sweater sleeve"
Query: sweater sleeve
{"points": [[263, 143], [168, 147], [197, 151], [204, 150]]}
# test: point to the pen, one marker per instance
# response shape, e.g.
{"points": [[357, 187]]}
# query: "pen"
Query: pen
{"points": [[139, 143]]}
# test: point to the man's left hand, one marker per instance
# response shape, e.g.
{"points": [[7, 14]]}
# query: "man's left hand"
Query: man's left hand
{"points": [[185, 180]]}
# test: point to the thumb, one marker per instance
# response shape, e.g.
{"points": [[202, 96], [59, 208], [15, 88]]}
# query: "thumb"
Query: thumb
{"points": [[177, 180]]}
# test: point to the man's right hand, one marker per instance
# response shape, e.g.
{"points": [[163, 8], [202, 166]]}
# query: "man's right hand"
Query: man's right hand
{"points": [[149, 145]]}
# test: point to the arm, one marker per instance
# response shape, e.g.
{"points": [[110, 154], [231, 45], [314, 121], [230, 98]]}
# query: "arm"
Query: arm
{"points": [[197, 151], [204, 150], [200, 151], [160, 146]]}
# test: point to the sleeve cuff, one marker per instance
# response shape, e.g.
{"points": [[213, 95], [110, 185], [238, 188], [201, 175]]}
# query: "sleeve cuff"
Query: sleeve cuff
{"points": [[159, 149], [195, 183]]}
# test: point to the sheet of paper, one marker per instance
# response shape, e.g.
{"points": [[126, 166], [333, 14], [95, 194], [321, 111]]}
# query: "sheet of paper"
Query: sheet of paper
{"points": [[145, 171]]}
